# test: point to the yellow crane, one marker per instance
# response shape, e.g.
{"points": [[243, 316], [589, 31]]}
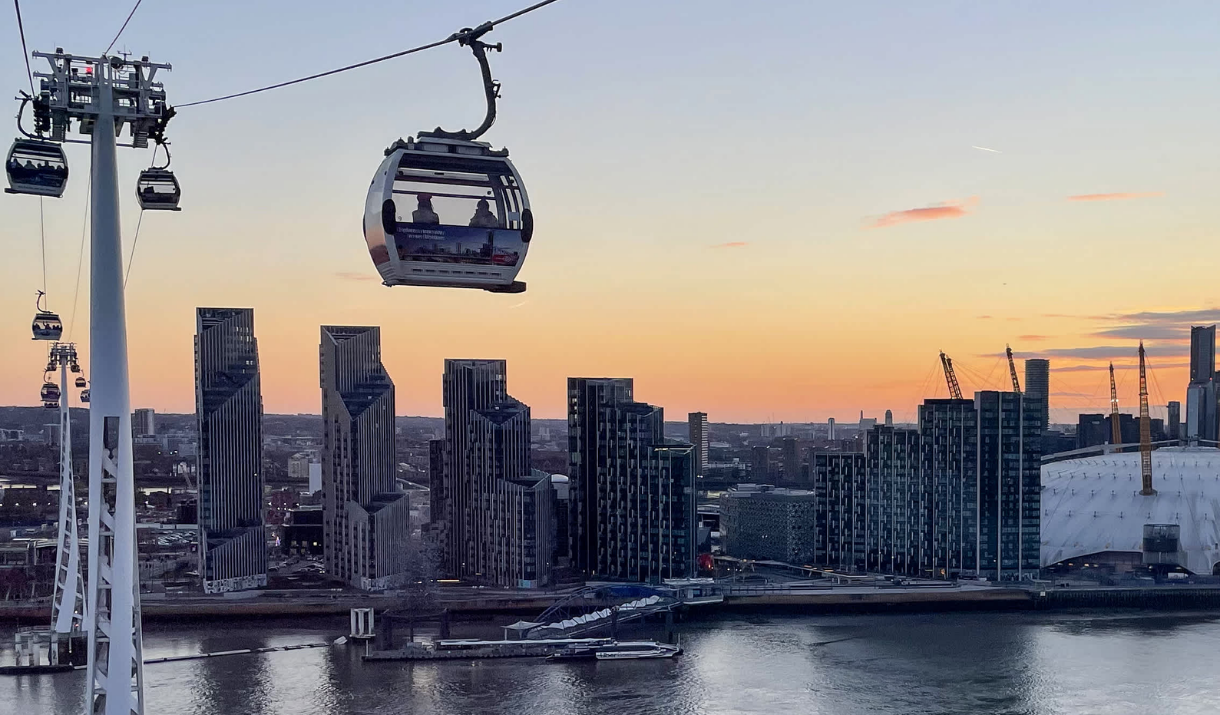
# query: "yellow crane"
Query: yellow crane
{"points": [[955, 390], [1145, 431], [1012, 370], [1116, 430]]}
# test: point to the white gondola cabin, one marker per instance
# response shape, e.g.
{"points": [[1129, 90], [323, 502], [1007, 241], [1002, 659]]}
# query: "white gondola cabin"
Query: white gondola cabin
{"points": [[36, 167], [448, 213]]}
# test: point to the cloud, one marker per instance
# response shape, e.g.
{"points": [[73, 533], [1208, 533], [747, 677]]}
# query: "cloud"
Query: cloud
{"points": [[1121, 196], [1071, 394], [983, 317], [1174, 317], [950, 209], [1031, 338], [1146, 331], [731, 244], [353, 276], [1104, 352], [983, 148], [1080, 368]]}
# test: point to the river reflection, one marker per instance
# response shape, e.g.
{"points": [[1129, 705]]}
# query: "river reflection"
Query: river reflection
{"points": [[1033, 663]]}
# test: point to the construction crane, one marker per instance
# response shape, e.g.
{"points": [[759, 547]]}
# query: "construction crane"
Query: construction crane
{"points": [[1145, 431], [1116, 430], [1012, 370], [955, 391]]}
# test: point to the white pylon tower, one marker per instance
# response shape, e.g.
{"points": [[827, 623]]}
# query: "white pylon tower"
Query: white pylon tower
{"points": [[68, 602], [104, 95]]}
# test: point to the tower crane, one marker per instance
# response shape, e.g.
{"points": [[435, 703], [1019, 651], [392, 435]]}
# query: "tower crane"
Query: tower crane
{"points": [[1116, 431], [955, 390], [1012, 370], [1145, 431]]}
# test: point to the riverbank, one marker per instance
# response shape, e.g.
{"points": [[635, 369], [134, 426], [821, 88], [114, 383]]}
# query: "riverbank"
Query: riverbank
{"points": [[846, 599]]}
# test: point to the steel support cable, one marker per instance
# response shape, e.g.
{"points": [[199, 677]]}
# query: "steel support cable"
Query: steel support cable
{"points": [[124, 27], [452, 38], [25, 52], [131, 258], [80, 255], [42, 239]]}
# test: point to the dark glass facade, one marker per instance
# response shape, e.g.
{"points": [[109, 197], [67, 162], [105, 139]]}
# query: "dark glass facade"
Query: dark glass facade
{"points": [[495, 511], [229, 411], [365, 518], [632, 492]]}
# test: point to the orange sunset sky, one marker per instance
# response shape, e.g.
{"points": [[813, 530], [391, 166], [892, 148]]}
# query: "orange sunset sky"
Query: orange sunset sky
{"points": [[771, 221]]}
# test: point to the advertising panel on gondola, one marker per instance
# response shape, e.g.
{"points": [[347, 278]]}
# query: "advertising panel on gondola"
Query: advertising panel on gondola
{"points": [[465, 245]]}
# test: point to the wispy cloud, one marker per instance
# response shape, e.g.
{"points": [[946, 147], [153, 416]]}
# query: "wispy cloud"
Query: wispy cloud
{"points": [[1147, 331], [1121, 196], [731, 244], [518, 305], [947, 210], [1174, 317], [353, 276], [1031, 338], [1104, 352], [983, 148], [983, 317]]}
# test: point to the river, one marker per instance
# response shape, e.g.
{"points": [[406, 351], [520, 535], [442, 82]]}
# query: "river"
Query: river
{"points": [[968, 663]]}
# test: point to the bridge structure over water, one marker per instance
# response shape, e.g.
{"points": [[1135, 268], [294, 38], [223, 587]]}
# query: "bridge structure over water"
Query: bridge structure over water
{"points": [[605, 606]]}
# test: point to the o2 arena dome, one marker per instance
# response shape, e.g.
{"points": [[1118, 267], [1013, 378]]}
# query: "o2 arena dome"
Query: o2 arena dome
{"points": [[1092, 507]]}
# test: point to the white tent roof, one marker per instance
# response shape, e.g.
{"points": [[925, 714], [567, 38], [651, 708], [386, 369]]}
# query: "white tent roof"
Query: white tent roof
{"points": [[1093, 504]]}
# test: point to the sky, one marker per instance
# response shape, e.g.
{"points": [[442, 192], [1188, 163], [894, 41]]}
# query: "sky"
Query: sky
{"points": [[765, 211]]}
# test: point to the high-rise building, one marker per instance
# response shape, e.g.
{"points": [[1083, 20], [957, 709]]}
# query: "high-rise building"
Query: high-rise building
{"points": [[839, 483], [760, 463], [1038, 384], [632, 491], [697, 422], [889, 418], [365, 517], [898, 502], [790, 455], [497, 510], [144, 422], [229, 412], [1202, 353], [948, 429], [1201, 394], [1175, 420], [1009, 484], [830, 429]]}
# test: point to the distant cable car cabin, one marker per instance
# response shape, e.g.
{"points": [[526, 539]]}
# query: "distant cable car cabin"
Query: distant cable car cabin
{"points": [[80, 382], [36, 167], [158, 190], [84, 396], [50, 392], [46, 325]]}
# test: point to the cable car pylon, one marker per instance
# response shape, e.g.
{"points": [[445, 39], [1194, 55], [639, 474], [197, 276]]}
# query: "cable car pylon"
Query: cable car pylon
{"points": [[124, 97], [68, 601]]}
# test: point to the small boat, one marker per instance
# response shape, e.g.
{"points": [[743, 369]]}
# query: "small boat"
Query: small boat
{"points": [[628, 650], [633, 651]]}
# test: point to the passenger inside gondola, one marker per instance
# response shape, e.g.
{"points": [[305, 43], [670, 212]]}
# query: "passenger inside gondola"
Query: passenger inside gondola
{"points": [[425, 213], [483, 216]]}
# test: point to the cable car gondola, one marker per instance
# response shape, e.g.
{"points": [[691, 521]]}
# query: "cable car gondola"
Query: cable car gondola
{"points": [[446, 210], [80, 382], [158, 190], [49, 392], [36, 167], [46, 325], [84, 396]]}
